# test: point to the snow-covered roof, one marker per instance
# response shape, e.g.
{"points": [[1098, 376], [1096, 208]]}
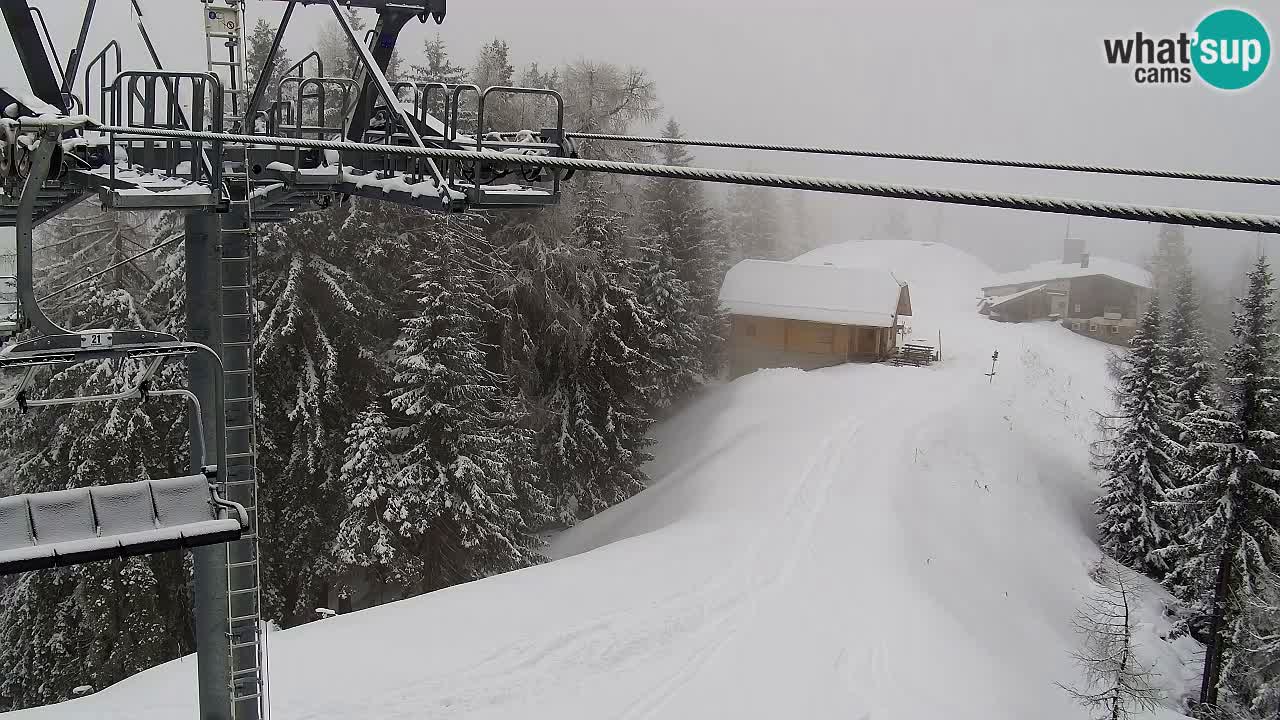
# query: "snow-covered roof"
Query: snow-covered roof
{"points": [[817, 293], [1002, 299], [1058, 270]]}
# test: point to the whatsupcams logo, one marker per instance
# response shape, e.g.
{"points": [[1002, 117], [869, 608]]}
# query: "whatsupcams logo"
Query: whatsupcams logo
{"points": [[1228, 50]]}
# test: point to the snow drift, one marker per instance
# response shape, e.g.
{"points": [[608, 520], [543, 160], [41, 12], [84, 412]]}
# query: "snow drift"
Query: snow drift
{"points": [[862, 541]]}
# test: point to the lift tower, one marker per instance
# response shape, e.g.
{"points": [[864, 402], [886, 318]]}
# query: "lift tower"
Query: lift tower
{"points": [[52, 157]]}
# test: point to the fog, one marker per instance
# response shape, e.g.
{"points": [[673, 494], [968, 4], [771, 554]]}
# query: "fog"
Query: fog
{"points": [[1024, 80]]}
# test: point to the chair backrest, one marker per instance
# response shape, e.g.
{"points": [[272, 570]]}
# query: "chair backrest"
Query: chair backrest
{"points": [[62, 516], [15, 523], [183, 500], [124, 508]]}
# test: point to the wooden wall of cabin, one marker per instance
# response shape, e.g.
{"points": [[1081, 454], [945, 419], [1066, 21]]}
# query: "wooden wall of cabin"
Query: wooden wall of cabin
{"points": [[759, 342]]}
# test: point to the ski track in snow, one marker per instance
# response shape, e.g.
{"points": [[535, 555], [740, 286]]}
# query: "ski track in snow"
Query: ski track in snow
{"points": [[836, 563], [802, 509], [711, 612]]}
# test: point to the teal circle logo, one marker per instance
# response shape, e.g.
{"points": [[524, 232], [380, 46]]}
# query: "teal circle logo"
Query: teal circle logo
{"points": [[1232, 49]]}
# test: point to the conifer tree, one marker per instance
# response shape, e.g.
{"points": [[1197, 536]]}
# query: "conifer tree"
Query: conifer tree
{"points": [[1264, 658], [1232, 554], [437, 66], [1190, 374], [1171, 260], [674, 342], [493, 67], [315, 363], [462, 507], [597, 400], [260, 39], [754, 222], [371, 539], [1144, 462], [1190, 389], [42, 639], [679, 227]]}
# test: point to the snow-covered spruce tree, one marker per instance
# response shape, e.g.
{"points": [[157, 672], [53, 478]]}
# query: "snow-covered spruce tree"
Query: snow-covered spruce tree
{"points": [[459, 502], [371, 540], [1233, 554], [1264, 659], [42, 639], [493, 67], [315, 362], [677, 221], [1187, 350], [600, 432], [1169, 262], [674, 323], [539, 299], [1191, 390], [260, 39], [754, 222], [1144, 460], [437, 67]]}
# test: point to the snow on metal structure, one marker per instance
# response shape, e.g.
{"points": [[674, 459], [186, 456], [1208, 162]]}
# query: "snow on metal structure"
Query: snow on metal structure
{"points": [[69, 527], [66, 527]]}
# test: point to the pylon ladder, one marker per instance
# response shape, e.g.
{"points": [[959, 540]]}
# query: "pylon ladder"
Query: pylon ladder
{"points": [[244, 579], [225, 45]]}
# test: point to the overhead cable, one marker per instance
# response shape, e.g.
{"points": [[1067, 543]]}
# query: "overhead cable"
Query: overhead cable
{"points": [[956, 159], [1070, 206], [113, 266]]}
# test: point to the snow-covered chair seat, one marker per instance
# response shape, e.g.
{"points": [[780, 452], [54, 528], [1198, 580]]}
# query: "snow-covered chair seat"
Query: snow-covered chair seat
{"points": [[67, 527]]}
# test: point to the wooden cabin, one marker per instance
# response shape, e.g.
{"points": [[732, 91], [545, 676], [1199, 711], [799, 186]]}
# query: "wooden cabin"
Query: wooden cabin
{"points": [[810, 316]]}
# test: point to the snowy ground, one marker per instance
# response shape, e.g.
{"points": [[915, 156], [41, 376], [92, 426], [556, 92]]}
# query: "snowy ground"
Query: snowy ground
{"points": [[857, 542]]}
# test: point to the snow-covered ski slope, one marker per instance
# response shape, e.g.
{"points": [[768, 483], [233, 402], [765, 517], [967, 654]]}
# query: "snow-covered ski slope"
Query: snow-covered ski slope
{"points": [[860, 542]]}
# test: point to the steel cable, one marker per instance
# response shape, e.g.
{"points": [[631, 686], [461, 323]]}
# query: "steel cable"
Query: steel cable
{"points": [[1122, 211], [109, 268], [956, 159]]}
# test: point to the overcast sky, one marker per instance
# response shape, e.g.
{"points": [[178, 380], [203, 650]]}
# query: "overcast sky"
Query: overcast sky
{"points": [[1001, 78]]}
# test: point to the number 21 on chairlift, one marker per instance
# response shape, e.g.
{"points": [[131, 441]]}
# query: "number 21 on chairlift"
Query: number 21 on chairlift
{"points": [[95, 340]]}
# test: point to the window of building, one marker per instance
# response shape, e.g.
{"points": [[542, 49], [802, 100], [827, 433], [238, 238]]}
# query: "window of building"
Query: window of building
{"points": [[1077, 308], [1093, 327], [1115, 329], [1077, 325], [751, 330]]}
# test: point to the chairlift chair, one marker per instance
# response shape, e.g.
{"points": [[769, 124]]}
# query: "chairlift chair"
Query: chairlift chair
{"points": [[123, 519]]}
